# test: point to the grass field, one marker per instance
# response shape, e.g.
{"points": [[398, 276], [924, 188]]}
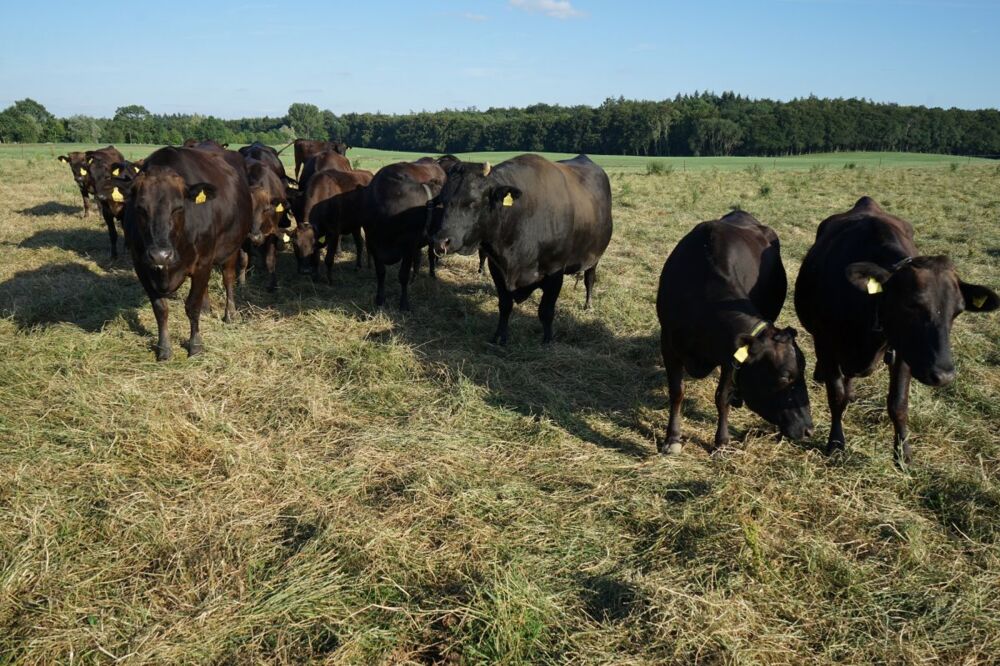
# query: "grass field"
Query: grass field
{"points": [[332, 484]]}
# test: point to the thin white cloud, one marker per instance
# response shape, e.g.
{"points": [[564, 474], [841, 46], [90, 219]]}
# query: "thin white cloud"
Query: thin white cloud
{"points": [[560, 9], [478, 18]]}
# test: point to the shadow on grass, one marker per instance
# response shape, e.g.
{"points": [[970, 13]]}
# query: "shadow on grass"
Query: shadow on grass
{"points": [[51, 208], [70, 293], [90, 242]]}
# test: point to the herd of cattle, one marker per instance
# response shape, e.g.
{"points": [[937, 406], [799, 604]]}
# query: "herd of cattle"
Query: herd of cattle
{"points": [[864, 292]]}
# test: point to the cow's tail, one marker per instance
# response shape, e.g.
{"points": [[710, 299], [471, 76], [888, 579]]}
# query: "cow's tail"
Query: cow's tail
{"points": [[286, 146]]}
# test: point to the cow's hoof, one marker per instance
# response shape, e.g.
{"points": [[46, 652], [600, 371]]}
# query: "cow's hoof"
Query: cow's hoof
{"points": [[164, 354], [499, 340], [833, 447], [195, 348], [672, 448]]}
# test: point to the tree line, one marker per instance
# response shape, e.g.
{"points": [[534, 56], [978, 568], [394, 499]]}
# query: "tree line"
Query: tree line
{"points": [[687, 125]]}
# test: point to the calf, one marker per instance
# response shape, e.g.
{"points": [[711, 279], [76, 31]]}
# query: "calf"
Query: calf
{"points": [[306, 148], [866, 294], [721, 289], [188, 209], [77, 162], [396, 211], [331, 208], [536, 220]]}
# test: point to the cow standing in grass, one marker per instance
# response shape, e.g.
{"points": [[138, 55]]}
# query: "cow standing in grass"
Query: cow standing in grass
{"points": [[866, 294], [721, 290], [536, 220], [189, 209], [77, 162]]}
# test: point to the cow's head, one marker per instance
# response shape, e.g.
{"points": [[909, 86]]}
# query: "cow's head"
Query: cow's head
{"points": [[159, 203], [918, 299], [116, 187], [770, 379], [267, 213], [471, 201], [307, 239], [77, 162]]}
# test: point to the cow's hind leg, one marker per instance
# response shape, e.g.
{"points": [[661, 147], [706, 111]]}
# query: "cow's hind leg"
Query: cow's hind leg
{"points": [[588, 284], [482, 259], [506, 305], [898, 405], [675, 388], [380, 279], [229, 283], [86, 204], [359, 249], [551, 285]]}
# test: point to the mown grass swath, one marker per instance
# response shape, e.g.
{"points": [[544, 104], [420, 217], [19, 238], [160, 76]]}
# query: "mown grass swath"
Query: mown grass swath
{"points": [[333, 483]]}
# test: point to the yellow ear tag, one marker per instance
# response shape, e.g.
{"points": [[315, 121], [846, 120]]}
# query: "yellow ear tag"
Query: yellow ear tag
{"points": [[742, 353], [508, 200], [979, 301], [280, 208], [321, 239], [117, 196], [285, 238], [201, 198], [116, 171], [83, 172], [874, 286]]}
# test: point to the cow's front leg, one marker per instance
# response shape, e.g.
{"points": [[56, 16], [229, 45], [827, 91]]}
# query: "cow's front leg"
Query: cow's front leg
{"points": [[506, 305], [837, 390], [898, 405], [723, 396], [109, 220], [675, 387], [193, 304], [405, 266], [551, 285], [161, 309], [229, 284], [271, 262]]}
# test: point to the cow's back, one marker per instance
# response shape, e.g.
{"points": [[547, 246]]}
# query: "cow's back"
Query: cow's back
{"points": [[731, 264]]}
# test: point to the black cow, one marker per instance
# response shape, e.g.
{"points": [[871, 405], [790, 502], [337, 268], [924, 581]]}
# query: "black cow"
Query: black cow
{"points": [[267, 155], [395, 210], [101, 165], [188, 209], [206, 144], [865, 293], [721, 289], [77, 162], [537, 221]]}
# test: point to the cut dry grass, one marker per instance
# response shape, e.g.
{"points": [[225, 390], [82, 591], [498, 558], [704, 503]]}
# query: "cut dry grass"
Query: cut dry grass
{"points": [[329, 484]]}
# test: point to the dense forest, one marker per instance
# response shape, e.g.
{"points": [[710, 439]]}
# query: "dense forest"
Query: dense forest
{"points": [[698, 124]]}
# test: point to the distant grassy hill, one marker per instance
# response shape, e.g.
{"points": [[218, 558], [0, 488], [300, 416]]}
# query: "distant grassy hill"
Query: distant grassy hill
{"points": [[370, 158]]}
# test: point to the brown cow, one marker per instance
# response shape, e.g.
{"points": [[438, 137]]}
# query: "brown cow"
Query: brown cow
{"points": [[101, 164], [305, 148], [270, 217], [189, 209], [331, 208]]}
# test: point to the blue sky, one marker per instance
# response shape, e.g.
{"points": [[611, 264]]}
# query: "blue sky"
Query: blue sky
{"points": [[255, 57]]}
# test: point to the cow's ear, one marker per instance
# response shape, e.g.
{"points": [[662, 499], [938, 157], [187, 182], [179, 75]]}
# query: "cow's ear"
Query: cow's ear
{"points": [[748, 348], [504, 196], [291, 182], [866, 276], [63, 159], [791, 332], [279, 205], [199, 193], [978, 298]]}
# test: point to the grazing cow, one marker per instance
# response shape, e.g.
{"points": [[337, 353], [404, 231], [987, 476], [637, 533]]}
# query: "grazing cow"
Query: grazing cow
{"points": [[100, 166], [537, 221], [77, 162], [865, 293], [270, 203], [305, 148], [395, 212], [721, 289], [189, 209], [331, 208]]}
